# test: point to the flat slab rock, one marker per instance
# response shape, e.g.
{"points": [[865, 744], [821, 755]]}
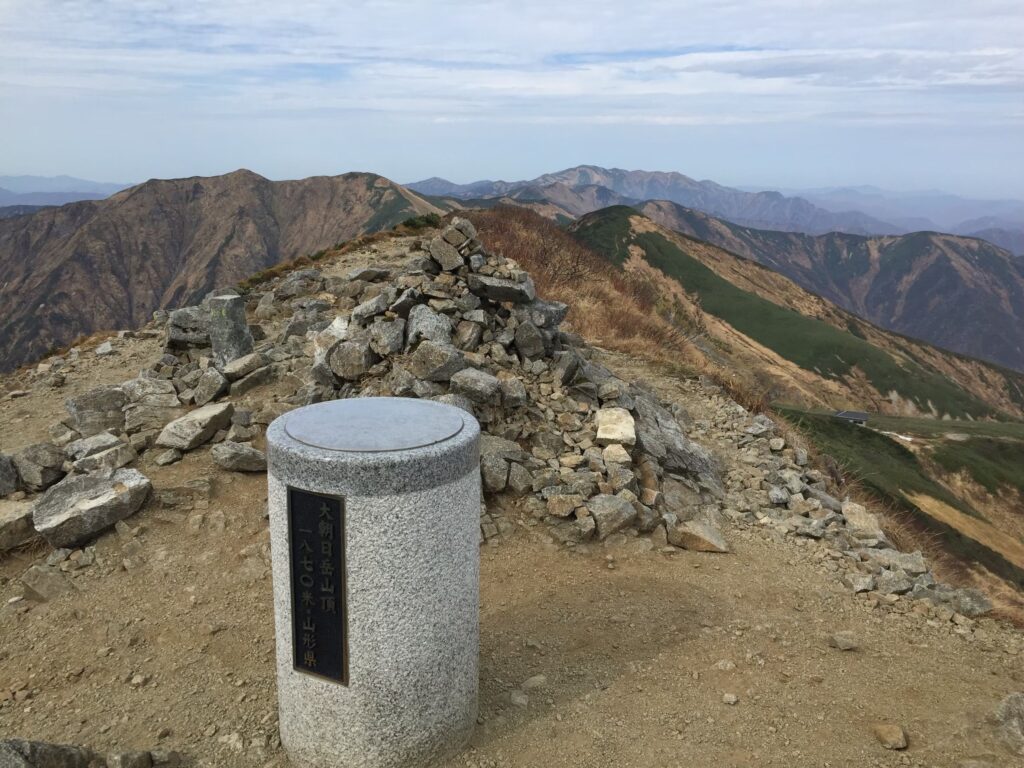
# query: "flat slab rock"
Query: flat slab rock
{"points": [[195, 428], [81, 506]]}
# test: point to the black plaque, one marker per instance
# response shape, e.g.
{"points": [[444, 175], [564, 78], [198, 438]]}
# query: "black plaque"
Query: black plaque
{"points": [[316, 544]]}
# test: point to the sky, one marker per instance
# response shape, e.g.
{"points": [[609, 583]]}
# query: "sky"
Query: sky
{"points": [[903, 94]]}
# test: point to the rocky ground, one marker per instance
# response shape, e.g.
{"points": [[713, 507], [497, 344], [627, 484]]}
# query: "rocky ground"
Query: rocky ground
{"points": [[664, 579]]}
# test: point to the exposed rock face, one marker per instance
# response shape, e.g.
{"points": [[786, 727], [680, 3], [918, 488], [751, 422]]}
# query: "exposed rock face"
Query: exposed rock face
{"points": [[195, 428], [79, 507], [229, 331], [210, 232]]}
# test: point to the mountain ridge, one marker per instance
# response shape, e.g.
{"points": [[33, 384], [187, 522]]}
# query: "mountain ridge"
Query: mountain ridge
{"points": [[754, 209], [94, 265], [913, 284]]}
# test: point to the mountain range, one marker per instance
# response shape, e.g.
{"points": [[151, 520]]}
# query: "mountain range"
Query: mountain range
{"points": [[769, 210], [105, 264], [108, 264]]}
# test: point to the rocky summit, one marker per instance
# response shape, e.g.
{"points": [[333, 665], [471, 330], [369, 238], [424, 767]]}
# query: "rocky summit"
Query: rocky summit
{"points": [[663, 571]]}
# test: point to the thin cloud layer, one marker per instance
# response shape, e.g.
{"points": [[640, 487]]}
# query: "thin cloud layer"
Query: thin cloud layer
{"points": [[213, 66]]}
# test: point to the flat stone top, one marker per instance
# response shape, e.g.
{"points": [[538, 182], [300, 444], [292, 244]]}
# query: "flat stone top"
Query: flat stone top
{"points": [[373, 424]]}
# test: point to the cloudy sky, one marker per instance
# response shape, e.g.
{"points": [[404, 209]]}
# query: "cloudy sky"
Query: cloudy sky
{"points": [[905, 94]]}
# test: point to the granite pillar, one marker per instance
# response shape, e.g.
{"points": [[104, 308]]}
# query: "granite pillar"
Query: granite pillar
{"points": [[374, 515]]}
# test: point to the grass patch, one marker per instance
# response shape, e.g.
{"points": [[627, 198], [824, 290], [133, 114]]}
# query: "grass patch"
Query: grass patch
{"points": [[992, 463]]}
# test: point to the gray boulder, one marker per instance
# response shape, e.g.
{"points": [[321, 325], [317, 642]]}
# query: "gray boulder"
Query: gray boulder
{"points": [[425, 323], [435, 362], [478, 386], [500, 289], [142, 418], [445, 254], [87, 446], [18, 753], [387, 337], [43, 583], [39, 465], [188, 327], [146, 391], [229, 331], [529, 341], [211, 385], [351, 359], [9, 480], [195, 428], [697, 535], [241, 367], [98, 410], [238, 457], [911, 562], [81, 506], [468, 336], [366, 311], [610, 513], [970, 602], [116, 457], [659, 434]]}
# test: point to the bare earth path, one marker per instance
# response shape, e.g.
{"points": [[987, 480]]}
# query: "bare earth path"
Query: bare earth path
{"points": [[168, 642]]}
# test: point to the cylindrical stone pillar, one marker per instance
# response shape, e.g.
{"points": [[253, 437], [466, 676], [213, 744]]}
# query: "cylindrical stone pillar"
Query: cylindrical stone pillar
{"points": [[374, 520]]}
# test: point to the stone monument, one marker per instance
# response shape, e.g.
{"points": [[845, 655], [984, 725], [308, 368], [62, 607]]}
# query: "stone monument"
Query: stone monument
{"points": [[374, 522]]}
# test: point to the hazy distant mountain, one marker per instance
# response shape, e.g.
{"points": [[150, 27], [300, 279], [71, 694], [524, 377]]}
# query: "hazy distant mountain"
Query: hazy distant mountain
{"points": [[52, 190], [108, 264], [761, 209], [929, 209], [959, 293], [52, 184], [1011, 240]]}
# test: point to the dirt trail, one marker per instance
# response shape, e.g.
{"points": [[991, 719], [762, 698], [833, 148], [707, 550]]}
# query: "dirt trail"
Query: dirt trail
{"points": [[168, 640]]}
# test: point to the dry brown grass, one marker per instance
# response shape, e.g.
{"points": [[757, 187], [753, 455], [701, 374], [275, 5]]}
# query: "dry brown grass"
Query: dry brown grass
{"points": [[608, 307]]}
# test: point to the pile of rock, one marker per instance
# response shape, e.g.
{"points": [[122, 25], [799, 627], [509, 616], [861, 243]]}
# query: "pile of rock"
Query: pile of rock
{"points": [[774, 486]]}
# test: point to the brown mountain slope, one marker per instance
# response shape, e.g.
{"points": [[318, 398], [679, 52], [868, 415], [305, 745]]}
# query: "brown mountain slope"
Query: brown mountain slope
{"points": [[960, 293], [804, 349], [108, 264]]}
